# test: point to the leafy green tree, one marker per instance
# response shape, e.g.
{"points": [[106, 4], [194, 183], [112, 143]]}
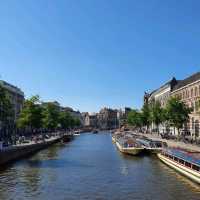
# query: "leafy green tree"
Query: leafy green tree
{"points": [[157, 114], [50, 115], [31, 114], [65, 119], [177, 113], [135, 119], [146, 115]]}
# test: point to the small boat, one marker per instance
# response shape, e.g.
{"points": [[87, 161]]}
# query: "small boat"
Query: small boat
{"points": [[76, 133], [129, 146], [185, 162], [95, 131], [67, 137]]}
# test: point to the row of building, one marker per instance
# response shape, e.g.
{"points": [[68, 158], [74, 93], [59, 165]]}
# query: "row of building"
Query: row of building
{"points": [[106, 119], [16, 96], [188, 90]]}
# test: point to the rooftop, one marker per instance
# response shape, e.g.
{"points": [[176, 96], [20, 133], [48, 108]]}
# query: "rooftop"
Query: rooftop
{"points": [[190, 79]]}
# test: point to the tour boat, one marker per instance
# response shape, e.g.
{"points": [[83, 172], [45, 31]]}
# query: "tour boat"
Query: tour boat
{"points": [[129, 146], [152, 146], [185, 162], [116, 136]]}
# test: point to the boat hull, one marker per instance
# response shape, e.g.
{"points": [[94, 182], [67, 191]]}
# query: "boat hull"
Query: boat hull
{"points": [[191, 174], [113, 140], [130, 150]]}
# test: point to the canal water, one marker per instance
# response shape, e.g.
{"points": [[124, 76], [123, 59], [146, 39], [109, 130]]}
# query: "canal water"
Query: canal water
{"points": [[90, 167]]}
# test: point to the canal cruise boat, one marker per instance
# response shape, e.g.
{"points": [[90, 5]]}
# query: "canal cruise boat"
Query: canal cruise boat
{"points": [[152, 146], [129, 146], [185, 162]]}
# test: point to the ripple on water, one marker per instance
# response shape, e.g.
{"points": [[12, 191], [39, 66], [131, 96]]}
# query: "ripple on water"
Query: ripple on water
{"points": [[90, 167]]}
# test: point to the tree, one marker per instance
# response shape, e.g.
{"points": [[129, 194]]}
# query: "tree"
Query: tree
{"points": [[135, 119], [65, 119], [146, 115], [177, 113], [77, 122], [156, 114], [50, 115], [31, 114]]}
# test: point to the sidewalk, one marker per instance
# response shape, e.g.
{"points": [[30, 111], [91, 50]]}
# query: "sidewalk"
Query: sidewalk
{"points": [[172, 143]]}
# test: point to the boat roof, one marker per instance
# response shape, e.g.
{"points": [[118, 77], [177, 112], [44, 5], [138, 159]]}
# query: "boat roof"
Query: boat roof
{"points": [[189, 156]]}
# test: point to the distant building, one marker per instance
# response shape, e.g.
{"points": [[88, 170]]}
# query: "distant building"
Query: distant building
{"points": [[122, 116], [16, 97], [90, 120], [75, 114], [107, 119]]}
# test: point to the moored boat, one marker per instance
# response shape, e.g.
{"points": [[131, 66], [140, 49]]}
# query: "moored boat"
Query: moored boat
{"points": [[185, 162], [67, 137], [76, 133], [116, 136], [95, 131], [129, 146], [152, 146]]}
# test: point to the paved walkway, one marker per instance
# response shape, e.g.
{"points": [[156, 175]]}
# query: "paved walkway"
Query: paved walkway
{"points": [[172, 143]]}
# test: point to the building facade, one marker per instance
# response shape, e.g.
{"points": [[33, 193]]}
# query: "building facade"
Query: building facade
{"points": [[188, 91], [122, 116], [16, 97], [90, 120], [161, 95], [107, 119]]}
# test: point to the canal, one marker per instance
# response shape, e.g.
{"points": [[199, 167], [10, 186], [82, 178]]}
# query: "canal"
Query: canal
{"points": [[90, 167]]}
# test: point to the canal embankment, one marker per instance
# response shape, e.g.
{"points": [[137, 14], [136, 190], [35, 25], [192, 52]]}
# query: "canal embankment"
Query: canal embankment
{"points": [[173, 143], [15, 152]]}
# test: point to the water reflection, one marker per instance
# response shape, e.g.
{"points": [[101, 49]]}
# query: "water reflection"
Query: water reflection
{"points": [[90, 167]]}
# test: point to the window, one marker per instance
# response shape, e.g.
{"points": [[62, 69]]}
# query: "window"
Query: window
{"points": [[176, 159], [195, 93], [195, 167], [199, 90], [181, 161], [187, 164], [187, 94], [196, 105], [191, 95], [183, 94]]}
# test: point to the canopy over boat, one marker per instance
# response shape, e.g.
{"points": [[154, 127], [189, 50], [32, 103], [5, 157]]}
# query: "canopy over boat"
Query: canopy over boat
{"points": [[192, 157]]}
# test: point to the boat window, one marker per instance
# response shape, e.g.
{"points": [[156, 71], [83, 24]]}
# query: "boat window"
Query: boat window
{"points": [[171, 156], [195, 167], [181, 161], [176, 159], [187, 164]]}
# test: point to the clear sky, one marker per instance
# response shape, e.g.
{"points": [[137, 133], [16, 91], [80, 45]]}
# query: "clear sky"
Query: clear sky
{"points": [[88, 54]]}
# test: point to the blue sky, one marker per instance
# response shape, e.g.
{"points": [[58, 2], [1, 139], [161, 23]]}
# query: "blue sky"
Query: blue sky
{"points": [[88, 54]]}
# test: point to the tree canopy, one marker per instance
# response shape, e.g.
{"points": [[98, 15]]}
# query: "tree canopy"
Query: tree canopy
{"points": [[36, 114], [31, 114], [177, 112], [50, 114], [135, 118]]}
